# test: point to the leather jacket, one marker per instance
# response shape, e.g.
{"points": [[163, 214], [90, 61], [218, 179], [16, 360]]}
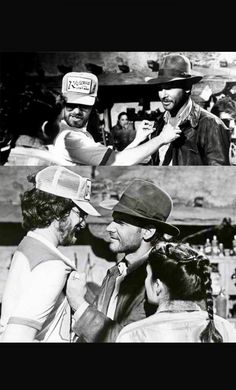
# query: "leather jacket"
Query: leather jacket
{"points": [[205, 140], [94, 326]]}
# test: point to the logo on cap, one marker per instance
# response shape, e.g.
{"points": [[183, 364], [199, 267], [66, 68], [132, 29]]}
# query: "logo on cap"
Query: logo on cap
{"points": [[79, 84]]}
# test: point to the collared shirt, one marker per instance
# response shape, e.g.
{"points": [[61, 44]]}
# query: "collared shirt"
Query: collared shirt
{"points": [[180, 117], [178, 321]]}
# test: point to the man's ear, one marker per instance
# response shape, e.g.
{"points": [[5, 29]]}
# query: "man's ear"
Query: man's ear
{"points": [[148, 233]]}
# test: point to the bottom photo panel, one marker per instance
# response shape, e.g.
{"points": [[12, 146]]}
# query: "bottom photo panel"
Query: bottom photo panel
{"points": [[118, 254]]}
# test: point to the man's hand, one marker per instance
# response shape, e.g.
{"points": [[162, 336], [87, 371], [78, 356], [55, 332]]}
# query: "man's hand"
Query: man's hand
{"points": [[76, 289], [169, 133], [144, 129]]}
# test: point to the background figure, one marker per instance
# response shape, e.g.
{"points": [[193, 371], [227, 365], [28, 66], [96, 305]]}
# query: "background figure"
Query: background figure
{"points": [[34, 125], [177, 278], [225, 109], [123, 133], [34, 305]]}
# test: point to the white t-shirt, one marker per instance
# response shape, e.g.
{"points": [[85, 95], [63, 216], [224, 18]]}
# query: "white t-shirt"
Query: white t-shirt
{"points": [[77, 146]]}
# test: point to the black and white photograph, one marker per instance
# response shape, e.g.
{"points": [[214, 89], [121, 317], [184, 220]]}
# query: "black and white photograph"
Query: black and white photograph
{"points": [[117, 196], [118, 254]]}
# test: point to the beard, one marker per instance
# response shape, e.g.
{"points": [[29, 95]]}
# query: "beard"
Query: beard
{"points": [[68, 234]]}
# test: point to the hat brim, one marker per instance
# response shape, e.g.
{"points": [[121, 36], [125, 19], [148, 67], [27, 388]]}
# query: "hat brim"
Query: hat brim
{"points": [[167, 80], [74, 98], [165, 227], [87, 207]]}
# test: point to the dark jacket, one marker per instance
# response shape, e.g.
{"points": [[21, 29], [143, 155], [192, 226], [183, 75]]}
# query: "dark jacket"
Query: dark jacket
{"points": [[204, 140], [94, 326]]}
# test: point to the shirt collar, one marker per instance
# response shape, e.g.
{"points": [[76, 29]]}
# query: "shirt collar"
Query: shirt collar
{"points": [[47, 243], [131, 264], [178, 306], [181, 115]]}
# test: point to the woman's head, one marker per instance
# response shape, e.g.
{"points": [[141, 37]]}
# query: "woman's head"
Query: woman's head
{"points": [[122, 119], [177, 272], [37, 113]]}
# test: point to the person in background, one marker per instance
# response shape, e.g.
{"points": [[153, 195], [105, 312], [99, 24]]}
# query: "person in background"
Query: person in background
{"points": [[76, 145], [139, 222], [123, 133], [225, 109], [34, 126], [178, 278], [204, 137], [34, 305]]}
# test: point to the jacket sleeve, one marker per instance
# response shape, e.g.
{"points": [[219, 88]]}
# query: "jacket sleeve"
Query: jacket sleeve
{"points": [[93, 326], [216, 142]]}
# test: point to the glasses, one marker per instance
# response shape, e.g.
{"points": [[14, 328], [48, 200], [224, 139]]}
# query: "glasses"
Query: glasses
{"points": [[80, 213], [72, 106]]}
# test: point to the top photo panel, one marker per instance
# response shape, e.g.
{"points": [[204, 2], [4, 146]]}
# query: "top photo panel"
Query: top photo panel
{"points": [[117, 108]]}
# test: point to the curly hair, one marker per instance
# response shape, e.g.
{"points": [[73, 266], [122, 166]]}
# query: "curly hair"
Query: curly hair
{"points": [[187, 274], [40, 209]]}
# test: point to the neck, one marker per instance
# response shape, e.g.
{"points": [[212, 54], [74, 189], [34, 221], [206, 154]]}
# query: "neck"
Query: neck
{"points": [[49, 233], [180, 110], [139, 256]]}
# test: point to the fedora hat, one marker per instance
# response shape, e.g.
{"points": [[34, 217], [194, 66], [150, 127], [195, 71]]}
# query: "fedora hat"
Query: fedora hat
{"points": [[175, 68], [144, 201]]}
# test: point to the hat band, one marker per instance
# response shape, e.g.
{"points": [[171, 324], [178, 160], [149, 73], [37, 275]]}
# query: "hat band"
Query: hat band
{"points": [[132, 220], [139, 208], [173, 73]]}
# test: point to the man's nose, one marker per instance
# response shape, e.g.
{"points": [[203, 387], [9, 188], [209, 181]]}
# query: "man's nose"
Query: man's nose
{"points": [[76, 110], [82, 223], [111, 227], [162, 93]]}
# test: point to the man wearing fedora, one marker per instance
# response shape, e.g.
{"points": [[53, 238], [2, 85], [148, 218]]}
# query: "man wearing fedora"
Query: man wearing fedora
{"points": [[204, 138], [34, 305], [139, 222], [76, 146]]}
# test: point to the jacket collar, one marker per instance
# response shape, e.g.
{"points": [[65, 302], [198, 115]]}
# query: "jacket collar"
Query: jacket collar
{"points": [[192, 117]]}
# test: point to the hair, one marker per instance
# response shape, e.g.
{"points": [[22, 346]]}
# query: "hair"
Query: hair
{"points": [[120, 115], [25, 112], [226, 104], [186, 273], [40, 209]]}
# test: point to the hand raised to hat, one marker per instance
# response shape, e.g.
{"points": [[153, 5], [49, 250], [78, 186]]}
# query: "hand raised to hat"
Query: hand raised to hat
{"points": [[169, 133]]}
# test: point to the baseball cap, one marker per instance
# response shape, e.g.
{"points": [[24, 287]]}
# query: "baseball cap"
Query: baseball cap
{"points": [[80, 88], [63, 182]]}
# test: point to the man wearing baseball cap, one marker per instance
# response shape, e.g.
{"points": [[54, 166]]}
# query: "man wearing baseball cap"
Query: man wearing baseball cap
{"points": [[204, 138], [139, 222], [76, 145], [34, 306]]}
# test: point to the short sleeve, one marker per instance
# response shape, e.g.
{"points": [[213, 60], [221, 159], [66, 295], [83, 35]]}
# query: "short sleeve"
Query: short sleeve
{"points": [[41, 295]]}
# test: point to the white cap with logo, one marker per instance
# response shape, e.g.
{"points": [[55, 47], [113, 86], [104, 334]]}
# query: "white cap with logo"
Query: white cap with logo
{"points": [[80, 88], [61, 181]]}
